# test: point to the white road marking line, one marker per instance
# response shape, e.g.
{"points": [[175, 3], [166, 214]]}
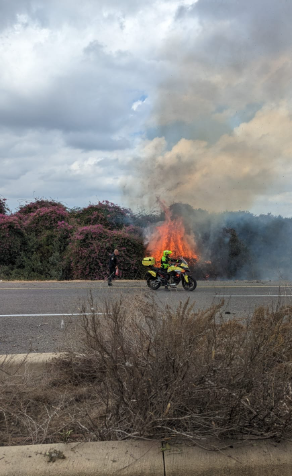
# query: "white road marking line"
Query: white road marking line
{"points": [[45, 315], [142, 286], [253, 295]]}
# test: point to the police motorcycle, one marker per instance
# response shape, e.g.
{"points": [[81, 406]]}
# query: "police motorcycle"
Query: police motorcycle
{"points": [[176, 272]]}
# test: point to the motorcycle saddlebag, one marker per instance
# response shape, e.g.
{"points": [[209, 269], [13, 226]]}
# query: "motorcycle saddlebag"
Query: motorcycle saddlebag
{"points": [[148, 261]]}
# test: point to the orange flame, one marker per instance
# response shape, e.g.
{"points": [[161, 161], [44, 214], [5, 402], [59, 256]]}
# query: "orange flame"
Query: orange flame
{"points": [[171, 235]]}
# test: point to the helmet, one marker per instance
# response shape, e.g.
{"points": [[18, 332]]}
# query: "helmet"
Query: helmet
{"points": [[167, 252]]}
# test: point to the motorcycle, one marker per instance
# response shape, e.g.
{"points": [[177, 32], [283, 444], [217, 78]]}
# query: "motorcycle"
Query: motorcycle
{"points": [[175, 273]]}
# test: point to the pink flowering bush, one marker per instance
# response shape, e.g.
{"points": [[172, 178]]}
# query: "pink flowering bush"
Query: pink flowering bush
{"points": [[134, 231], [104, 213], [90, 249], [32, 207], [3, 206], [44, 240], [12, 239], [46, 218]]}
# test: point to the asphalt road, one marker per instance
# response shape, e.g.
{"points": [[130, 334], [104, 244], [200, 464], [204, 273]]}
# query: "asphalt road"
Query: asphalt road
{"points": [[39, 316]]}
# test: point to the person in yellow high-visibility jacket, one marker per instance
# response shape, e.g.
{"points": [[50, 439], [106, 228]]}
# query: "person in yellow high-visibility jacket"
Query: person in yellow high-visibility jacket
{"points": [[165, 259], [165, 262]]}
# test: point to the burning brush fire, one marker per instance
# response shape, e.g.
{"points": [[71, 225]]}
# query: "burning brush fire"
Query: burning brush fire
{"points": [[171, 235]]}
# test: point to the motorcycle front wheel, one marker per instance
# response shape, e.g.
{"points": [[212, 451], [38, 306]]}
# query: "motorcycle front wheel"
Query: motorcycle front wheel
{"points": [[153, 284], [191, 285]]}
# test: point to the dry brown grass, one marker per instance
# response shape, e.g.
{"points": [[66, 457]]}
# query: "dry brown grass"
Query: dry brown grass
{"points": [[146, 372]]}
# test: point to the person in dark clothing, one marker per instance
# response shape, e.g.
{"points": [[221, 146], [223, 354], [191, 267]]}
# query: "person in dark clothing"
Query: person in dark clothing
{"points": [[113, 266]]}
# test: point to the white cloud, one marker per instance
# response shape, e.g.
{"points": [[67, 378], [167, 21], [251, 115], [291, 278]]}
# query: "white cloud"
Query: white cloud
{"points": [[216, 76]]}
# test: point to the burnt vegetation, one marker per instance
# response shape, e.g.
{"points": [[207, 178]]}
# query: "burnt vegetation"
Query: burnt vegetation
{"points": [[140, 371]]}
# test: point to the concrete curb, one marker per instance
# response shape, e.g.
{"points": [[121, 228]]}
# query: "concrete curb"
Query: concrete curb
{"points": [[144, 458], [17, 365], [250, 459], [90, 459]]}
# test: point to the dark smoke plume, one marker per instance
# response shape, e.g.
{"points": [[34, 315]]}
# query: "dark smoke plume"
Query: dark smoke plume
{"points": [[240, 245]]}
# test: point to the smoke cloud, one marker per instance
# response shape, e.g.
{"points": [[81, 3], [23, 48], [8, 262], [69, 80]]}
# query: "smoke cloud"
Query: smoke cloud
{"points": [[229, 174], [219, 136], [239, 245]]}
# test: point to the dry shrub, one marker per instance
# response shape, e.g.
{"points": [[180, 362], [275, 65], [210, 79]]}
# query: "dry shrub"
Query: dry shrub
{"points": [[162, 372], [144, 371]]}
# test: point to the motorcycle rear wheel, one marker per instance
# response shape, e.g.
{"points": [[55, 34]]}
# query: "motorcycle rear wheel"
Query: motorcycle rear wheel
{"points": [[191, 285], [153, 284]]}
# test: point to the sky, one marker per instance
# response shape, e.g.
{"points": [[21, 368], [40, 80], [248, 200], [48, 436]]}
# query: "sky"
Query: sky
{"points": [[127, 100]]}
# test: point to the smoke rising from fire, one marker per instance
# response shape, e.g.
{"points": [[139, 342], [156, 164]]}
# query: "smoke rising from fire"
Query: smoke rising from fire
{"points": [[239, 245], [219, 136], [219, 133], [252, 162]]}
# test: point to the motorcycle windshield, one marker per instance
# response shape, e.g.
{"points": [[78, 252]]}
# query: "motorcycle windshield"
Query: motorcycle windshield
{"points": [[183, 262]]}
